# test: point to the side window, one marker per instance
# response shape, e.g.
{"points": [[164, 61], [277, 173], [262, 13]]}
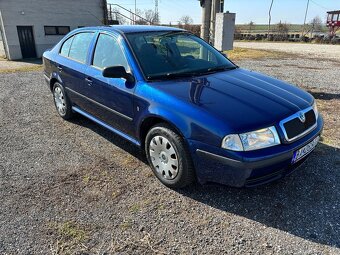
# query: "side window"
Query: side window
{"points": [[80, 46], [65, 49], [108, 53]]}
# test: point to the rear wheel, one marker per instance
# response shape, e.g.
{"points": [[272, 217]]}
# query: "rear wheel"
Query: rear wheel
{"points": [[169, 157], [61, 101]]}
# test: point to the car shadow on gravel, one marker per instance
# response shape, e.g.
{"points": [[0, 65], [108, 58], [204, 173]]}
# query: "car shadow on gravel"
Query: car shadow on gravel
{"points": [[325, 96], [305, 204], [110, 136]]}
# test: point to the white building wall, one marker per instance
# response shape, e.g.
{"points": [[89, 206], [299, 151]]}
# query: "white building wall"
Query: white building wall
{"points": [[40, 13]]}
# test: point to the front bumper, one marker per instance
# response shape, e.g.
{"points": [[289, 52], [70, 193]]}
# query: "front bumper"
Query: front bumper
{"points": [[250, 168]]}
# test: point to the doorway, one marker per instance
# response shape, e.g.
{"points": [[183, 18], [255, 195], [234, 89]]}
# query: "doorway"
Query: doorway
{"points": [[26, 40]]}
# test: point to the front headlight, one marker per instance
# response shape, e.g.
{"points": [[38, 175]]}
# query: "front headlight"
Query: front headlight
{"points": [[254, 140], [315, 108]]}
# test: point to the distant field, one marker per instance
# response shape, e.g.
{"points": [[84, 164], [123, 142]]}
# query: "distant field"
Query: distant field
{"points": [[260, 28]]}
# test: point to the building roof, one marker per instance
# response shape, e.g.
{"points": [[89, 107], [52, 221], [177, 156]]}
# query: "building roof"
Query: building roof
{"points": [[334, 12]]}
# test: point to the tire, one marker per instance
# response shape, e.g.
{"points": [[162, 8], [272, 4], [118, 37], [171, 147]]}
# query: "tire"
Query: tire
{"points": [[169, 157], [62, 102]]}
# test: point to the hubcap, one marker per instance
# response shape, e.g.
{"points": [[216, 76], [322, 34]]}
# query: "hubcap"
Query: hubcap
{"points": [[163, 157], [59, 100]]}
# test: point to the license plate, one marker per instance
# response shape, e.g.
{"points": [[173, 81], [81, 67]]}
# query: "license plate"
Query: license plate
{"points": [[305, 150]]}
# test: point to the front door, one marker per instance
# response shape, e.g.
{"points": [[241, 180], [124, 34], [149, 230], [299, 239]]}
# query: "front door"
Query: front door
{"points": [[113, 97], [26, 40]]}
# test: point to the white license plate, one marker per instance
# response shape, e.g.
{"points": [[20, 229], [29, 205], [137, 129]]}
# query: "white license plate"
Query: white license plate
{"points": [[305, 150]]}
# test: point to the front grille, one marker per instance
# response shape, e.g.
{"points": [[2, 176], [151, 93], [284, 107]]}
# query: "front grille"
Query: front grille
{"points": [[294, 128]]}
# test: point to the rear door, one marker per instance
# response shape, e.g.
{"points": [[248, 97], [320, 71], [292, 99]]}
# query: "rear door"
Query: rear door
{"points": [[113, 98], [71, 66]]}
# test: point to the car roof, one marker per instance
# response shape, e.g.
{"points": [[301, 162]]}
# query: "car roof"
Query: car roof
{"points": [[125, 29]]}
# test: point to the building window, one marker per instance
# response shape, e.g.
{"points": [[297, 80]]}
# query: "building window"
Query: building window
{"points": [[56, 30]]}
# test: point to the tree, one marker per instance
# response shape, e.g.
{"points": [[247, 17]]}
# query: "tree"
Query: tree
{"points": [[186, 20], [152, 16], [115, 15], [282, 30], [140, 21], [148, 16], [315, 25], [251, 26]]}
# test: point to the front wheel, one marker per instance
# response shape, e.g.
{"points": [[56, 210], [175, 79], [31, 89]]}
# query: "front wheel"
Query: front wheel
{"points": [[62, 102], [169, 157]]}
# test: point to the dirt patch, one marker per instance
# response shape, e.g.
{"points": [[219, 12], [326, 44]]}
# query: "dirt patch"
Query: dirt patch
{"points": [[329, 106], [313, 51], [7, 66], [243, 53]]}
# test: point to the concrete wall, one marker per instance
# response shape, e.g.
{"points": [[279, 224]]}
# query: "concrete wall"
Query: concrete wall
{"points": [[40, 13], [224, 31]]}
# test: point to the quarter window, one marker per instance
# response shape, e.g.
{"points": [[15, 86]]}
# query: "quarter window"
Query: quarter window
{"points": [[80, 46], [65, 49], [108, 53]]}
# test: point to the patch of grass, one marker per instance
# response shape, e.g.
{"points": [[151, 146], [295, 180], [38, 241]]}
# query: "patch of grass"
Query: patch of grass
{"points": [[30, 68], [70, 231], [134, 208], [243, 53], [86, 179], [70, 237], [126, 224]]}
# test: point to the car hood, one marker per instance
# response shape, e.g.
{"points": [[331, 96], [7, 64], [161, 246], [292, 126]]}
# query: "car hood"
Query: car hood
{"points": [[245, 100]]}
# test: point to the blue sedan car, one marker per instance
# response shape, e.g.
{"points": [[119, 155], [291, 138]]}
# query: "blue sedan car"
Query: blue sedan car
{"points": [[196, 114]]}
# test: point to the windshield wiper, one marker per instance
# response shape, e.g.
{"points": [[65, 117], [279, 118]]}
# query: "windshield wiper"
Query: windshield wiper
{"points": [[221, 68], [191, 74], [172, 75]]}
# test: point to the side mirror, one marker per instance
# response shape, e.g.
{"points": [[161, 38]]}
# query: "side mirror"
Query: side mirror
{"points": [[118, 72]]}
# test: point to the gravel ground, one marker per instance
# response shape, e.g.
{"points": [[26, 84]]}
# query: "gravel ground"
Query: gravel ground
{"points": [[75, 188], [305, 49]]}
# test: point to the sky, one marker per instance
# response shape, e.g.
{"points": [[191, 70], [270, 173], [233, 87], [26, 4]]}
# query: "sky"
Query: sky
{"points": [[290, 11]]}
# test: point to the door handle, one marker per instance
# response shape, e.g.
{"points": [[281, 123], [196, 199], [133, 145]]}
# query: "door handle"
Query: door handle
{"points": [[89, 81]]}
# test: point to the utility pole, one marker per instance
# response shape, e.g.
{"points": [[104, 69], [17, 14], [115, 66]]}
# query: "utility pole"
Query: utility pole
{"points": [[156, 12], [270, 17], [134, 16], [206, 16], [304, 22], [215, 8]]}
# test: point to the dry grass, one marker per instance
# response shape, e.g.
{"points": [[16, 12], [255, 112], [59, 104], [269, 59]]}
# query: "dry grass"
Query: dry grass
{"points": [[30, 68], [7, 66], [243, 53], [330, 110]]}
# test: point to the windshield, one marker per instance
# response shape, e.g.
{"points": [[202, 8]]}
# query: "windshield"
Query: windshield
{"points": [[175, 54]]}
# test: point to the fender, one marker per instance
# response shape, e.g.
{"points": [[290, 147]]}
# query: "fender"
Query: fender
{"points": [[183, 123]]}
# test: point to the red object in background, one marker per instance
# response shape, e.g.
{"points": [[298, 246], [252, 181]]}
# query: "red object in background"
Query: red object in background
{"points": [[333, 21]]}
